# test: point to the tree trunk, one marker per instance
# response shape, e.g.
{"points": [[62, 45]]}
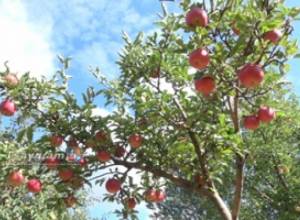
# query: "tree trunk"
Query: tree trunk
{"points": [[221, 206]]}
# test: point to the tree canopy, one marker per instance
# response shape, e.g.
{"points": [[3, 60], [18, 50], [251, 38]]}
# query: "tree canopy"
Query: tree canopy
{"points": [[202, 112]]}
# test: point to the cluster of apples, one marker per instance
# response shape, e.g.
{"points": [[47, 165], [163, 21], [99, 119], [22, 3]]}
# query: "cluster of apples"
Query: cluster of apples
{"points": [[112, 185], [155, 195], [16, 178], [134, 140], [265, 115], [8, 107], [251, 75]]}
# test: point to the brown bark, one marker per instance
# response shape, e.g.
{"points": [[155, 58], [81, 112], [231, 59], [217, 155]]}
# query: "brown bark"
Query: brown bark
{"points": [[239, 185], [161, 173], [221, 206], [209, 193], [213, 195]]}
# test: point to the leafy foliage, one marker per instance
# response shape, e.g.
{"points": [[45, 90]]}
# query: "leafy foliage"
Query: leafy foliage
{"points": [[195, 142]]}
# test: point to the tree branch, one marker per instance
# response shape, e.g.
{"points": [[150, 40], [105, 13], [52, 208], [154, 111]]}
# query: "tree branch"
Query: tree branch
{"points": [[160, 173], [239, 185]]}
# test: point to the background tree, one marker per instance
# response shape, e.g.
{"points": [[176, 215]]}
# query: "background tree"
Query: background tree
{"points": [[202, 129]]}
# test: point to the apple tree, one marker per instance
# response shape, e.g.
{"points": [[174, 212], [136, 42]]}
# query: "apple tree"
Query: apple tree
{"points": [[199, 104], [272, 175], [28, 188]]}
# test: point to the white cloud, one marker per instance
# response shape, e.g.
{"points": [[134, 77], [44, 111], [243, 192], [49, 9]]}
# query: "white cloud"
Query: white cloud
{"points": [[90, 31], [22, 43], [100, 112]]}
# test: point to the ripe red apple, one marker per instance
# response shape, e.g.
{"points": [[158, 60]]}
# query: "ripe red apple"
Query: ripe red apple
{"points": [[11, 80], [70, 158], [251, 122], [150, 195], [65, 174], [199, 58], [205, 85], [70, 201], [8, 108], [274, 36], [251, 75], [82, 162], [16, 178], [266, 114], [135, 140], [196, 17], [131, 203], [160, 196], [34, 185], [113, 186], [103, 156], [120, 151], [52, 162], [101, 136], [56, 140]]}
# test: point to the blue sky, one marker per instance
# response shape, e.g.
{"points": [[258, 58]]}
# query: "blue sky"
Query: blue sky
{"points": [[87, 30]]}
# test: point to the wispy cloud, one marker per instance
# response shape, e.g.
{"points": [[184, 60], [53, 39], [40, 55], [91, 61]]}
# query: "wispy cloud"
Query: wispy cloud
{"points": [[90, 31], [24, 44]]}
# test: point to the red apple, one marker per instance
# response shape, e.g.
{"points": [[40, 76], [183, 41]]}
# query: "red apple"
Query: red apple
{"points": [[160, 196], [103, 156], [120, 151], [8, 108], [113, 186], [131, 203], [11, 80], [70, 158], [150, 195], [251, 122], [205, 85], [34, 185], [196, 17], [70, 201], [135, 140], [199, 58], [101, 136], [52, 162], [65, 174], [251, 75], [82, 162], [56, 140], [274, 36], [16, 178], [266, 114]]}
